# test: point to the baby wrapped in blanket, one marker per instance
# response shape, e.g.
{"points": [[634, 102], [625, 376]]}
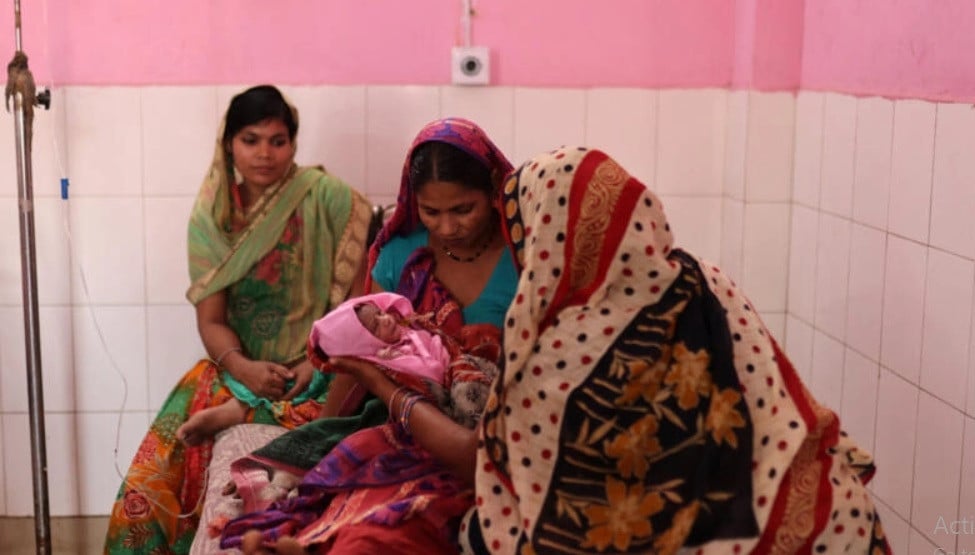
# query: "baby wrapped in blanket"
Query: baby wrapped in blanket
{"points": [[377, 475]]}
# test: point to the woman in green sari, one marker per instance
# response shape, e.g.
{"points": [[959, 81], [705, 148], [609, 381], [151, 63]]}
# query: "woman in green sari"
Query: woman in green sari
{"points": [[272, 247]]}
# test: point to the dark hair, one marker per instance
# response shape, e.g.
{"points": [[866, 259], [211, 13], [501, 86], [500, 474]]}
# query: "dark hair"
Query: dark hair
{"points": [[439, 161], [255, 105]]}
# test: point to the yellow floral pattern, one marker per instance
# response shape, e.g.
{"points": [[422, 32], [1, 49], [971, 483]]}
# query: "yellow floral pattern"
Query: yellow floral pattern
{"points": [[625, 517], [689, 373]]}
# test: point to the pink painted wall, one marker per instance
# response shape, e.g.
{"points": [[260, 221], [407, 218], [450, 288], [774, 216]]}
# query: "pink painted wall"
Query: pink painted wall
{"points": [[903, 49], [909, 48], [537, 42]]}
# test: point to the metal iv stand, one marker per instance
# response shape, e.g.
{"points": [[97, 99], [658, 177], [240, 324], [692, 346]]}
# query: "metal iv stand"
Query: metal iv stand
{"points": [[28, 264]]}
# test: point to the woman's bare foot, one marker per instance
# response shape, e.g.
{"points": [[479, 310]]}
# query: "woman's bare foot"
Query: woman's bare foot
{"points": [[208, 422], [251, 545]]}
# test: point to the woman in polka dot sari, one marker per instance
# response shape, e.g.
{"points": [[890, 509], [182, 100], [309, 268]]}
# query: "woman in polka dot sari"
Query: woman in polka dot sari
{"points": [[644, 406]]}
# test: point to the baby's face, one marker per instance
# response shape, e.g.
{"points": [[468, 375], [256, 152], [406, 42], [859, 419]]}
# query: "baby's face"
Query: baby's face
{"points": [[379, 323]]}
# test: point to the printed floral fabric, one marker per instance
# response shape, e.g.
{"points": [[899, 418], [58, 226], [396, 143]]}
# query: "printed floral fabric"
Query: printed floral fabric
{"points": [[283, 262], [644, 406]]}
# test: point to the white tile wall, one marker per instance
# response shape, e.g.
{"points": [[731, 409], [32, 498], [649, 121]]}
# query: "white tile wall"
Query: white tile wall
{"points": [[937, 467], [167, 272], [491, 107], [690, 153], [895, 441], [947, 319], [912, 157], [952, 194], [858, 409], [393, 116], [966, 497], [846, 220], [871, 182], [866, 290], [900, 348], [546, 119], [839, 139], [808, 165], [832, 275], [771, 132], [623, 122], [827, 370]]}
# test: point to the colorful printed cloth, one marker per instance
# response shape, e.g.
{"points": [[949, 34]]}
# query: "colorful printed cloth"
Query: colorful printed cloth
{"points": [[283, 263], [375, 476], [644, 406]]}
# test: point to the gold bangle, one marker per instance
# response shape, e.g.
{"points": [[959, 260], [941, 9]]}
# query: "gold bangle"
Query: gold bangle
{"points": [[219, 359]]}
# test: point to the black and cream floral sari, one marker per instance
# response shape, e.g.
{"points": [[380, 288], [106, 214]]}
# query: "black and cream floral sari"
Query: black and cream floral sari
{"points": [[644, 406]]}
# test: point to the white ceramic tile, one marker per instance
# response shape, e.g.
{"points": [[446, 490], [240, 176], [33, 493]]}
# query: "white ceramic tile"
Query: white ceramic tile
{"points": [[839, 141], [953, 190], [56, 365], [50, 149], [809, 148], [775, 323], [858, 411], [895, 441], [911, 165], [491, 108], [866, 290], [53, 253], [104, 134], [179, 137], [904, 273], [109, 250], [732, 231], [97, 462], [692, 221], [937, 465], [167, 275], [827, 372], [394, 115], [765, 264], [736, 144], [802, 262], [799, 346], [173, 346], [3, 447], [11, 286], [623, 123], [871, 181], [690, 141], [332, 130], [546, 119], [920, 545], [970, 396], [18, 487], [966, 501], [947, 326], [110, 357], [832, 275], [896, 528], [771, 133], [63, 471]]}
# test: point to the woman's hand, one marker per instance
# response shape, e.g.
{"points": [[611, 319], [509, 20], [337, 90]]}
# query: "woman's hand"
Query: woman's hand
{"points": [[264, 379], [366, 373], [303, 373]]}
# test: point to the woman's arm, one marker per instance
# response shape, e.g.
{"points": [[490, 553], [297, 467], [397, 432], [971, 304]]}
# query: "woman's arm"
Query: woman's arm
{"points": [[263, 378], [452, 444]]}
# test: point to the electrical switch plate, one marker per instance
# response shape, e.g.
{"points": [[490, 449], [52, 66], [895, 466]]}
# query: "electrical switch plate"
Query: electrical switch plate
{"points": [[470, 65]]}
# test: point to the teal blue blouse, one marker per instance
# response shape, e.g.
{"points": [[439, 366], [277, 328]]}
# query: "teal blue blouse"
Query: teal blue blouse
{"points": [[490, 307]]}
